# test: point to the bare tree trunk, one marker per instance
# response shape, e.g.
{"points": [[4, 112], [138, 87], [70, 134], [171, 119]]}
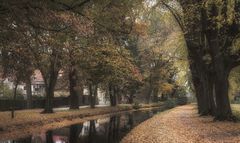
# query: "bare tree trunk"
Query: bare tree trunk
{"points": [[49, 100], [49, 89], [29, 93], [112, 94], [131, 98], [150, 90], [74, 98], [118, 95], [14, 99], [81, 91], [93, 95], [155, 94]]}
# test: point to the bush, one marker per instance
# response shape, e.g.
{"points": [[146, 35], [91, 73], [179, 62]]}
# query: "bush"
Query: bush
{"points": [[37, 97], [235, 101], [182, 100], [7, 93], [170, 103], [7, 97]]}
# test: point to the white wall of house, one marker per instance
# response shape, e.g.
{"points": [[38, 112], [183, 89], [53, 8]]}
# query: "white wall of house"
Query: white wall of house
{"points": [[101, 95]]}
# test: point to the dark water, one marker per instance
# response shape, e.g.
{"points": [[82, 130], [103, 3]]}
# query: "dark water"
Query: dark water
{"points": [[105, 130]]}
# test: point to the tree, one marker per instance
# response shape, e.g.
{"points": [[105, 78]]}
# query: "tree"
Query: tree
{"points": [[49, 49], [109, 65], [76, 41], [211, 59], [157, 53], [15, 66]]}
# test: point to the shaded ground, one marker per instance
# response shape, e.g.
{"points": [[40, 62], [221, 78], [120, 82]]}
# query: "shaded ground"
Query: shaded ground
{"points": [[183, 125], [29, 121]]}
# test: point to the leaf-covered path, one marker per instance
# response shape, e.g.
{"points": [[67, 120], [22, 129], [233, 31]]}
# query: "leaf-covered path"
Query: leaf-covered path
{"points": [[183, 125]]}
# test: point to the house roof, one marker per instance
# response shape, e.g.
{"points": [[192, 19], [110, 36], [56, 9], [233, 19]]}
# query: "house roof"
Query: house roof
{"points": [[37, 76]]}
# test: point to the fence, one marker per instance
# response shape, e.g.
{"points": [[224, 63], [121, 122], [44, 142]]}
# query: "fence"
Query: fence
{"points": [[6, 104]]}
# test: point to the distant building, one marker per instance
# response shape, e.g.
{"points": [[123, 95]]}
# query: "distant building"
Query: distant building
{"points": [[37, 84], [101, 96], [38, 87]]}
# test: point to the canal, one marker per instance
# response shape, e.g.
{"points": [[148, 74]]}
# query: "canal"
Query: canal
{"points": [[104, 130]]}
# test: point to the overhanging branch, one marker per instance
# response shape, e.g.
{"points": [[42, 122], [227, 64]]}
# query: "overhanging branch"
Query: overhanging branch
{"points": [[175, 14]]}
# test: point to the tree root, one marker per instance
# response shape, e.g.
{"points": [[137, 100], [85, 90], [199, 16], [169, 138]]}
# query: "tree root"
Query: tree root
{"points": [[230, 118]]}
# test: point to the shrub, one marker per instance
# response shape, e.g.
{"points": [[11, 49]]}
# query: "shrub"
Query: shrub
{"points": [[235, 101], [170, 103], [7, 93], [38, 97], [182, 100]]}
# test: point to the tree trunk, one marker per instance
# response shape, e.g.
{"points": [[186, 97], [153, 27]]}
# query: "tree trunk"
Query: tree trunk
{"points": [[90, 95], [29, 93], [93, 95], [50, 83], [220, 66], [198, 46], [49, 89], [150, 90], [81, 94], [14, 99], [74, 98], [49, 100], [212, 95], [118, 95], [131, 98], [200, 78], [112, 94], [224, 111], [155, 95]]}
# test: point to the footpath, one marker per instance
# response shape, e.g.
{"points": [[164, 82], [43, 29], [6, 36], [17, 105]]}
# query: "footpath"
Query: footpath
{"points": [[183, 125]]}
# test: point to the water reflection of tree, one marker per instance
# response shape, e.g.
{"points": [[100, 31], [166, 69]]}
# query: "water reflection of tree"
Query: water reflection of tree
{"points": [[130, 121], [92, 132], [75, 131], [49, 137], [113, 131], [26, 140]]}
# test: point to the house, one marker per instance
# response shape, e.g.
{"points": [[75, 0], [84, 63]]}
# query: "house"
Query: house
{"points": [[37, 84]]}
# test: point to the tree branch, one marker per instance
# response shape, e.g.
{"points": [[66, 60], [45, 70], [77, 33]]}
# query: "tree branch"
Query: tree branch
{"points": [[173, 12]]}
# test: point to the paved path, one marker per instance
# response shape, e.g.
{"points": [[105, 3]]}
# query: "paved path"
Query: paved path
{"points": [[183, 125]]}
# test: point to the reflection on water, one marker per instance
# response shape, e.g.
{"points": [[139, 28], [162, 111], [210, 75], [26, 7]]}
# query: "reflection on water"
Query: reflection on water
{"points": [[106, 130]]}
